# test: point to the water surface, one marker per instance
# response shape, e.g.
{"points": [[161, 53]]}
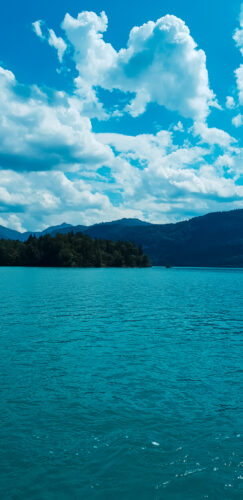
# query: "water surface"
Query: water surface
{"points": [[121, 384]]}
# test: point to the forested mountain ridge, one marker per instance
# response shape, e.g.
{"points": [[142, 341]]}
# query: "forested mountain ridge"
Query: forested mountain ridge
{"points": [[12, 234], [215, 239]]}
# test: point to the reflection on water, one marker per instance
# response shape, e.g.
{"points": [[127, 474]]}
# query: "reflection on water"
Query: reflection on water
{"points": [[121, 384]]}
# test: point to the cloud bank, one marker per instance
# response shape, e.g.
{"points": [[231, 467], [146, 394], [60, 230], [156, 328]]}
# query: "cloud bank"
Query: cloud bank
{"points": [[54, 166]]}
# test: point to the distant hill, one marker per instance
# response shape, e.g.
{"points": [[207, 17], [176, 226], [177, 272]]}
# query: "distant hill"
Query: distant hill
{"points": [[214, 239], [64, 228], [57, 229], [11, 234], [124, 223]]}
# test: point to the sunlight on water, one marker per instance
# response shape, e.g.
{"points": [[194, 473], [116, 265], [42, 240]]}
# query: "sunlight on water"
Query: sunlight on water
{"points": [[121, 384]]}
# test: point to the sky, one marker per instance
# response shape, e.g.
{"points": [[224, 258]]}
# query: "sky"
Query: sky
{"points": [[110, 111]]}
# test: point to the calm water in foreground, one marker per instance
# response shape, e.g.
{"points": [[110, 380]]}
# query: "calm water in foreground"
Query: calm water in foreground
{"points": [[121, 384]]}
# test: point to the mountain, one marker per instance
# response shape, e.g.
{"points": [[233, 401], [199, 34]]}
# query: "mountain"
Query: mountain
{"points": [[214, 239], [57, 229], [124, 223], [64, 228], [9, 234]]}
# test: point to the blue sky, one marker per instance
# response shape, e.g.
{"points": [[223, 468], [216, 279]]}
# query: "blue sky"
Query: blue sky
{"points": [[114, 111]]}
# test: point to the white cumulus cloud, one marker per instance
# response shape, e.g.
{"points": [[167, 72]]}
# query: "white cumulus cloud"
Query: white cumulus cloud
{"points": [[213, 135], [230, 102], [238, 34], [239, 80], [238, 37], [38, 135], [157, 176], [237, 120], [50, 36], [54, 168], [160, 64]]}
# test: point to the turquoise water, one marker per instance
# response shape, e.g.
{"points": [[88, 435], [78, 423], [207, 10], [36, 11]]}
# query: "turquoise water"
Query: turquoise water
{"points": [[121, 384]]}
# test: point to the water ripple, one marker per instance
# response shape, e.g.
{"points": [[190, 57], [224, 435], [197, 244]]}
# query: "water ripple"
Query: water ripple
{"points": [[121, 384]]}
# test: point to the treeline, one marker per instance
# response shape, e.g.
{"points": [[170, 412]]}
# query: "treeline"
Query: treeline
{"points": [[71, 250]]}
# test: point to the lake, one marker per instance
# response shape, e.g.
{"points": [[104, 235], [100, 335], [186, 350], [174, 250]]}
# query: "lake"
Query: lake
{"points": [[121, 384]]}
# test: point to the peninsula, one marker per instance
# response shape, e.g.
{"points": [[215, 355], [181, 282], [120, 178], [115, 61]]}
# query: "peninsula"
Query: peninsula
{"points": [[71, 250]]}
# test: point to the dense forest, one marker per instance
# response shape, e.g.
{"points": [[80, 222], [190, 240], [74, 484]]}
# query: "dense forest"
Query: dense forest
{"points": [[71, 250]]}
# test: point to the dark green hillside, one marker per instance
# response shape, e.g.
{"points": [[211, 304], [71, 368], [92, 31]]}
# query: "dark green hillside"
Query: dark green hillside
{"points": [[71, 250], [215, 239]]}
